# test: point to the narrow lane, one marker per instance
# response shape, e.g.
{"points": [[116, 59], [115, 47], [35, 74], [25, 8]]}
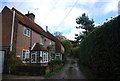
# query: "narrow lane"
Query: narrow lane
{"points": [[69, 71]]}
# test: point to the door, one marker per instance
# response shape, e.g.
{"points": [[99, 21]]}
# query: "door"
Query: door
{"points": [[1, 60]]}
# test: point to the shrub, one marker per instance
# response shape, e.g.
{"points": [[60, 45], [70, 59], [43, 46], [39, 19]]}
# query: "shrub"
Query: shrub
{"points": [[28, 59], [75, 51], [56, 61], [11, 61], [100, 50]]}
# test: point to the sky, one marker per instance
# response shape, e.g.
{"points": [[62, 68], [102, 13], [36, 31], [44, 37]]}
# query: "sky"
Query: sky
{"points": [[60, 15]]}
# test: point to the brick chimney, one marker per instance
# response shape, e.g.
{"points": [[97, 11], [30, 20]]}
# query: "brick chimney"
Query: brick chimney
{"points": [[46, 28], [31, 16]]}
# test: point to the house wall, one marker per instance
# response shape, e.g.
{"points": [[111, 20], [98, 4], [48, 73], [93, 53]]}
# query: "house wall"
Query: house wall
{"points": [[58, 46], [0, 30], [22, 42], [62, 49], [6, 26], [47, 42], [35, 38]]}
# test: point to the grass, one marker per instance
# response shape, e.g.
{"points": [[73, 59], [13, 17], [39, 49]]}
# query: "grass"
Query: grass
{"points": [[56, 70], [87, 72]]}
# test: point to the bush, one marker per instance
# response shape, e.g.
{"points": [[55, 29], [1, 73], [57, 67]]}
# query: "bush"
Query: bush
{"points": [[56, 70], [75, 51], [28, 60], [11, 61], [56, 61], [100, 50]]}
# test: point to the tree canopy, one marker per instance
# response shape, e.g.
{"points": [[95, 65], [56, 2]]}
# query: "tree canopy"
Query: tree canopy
{"points": [[68, 46], [59, 35], [84, 23]]}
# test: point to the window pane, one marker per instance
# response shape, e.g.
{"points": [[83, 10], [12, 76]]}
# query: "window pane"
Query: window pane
{"points": [[25, 30], [23, 57], [38, 56], [33, 57], [28, 32], [25, 54]]}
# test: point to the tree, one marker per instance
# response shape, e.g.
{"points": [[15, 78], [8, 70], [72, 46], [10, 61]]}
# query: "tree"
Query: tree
{"points": [[59, 36], [57, 33], [68, 46], [84, 23]]}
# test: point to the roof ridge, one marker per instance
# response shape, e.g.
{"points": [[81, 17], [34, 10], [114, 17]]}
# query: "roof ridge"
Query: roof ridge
{"points": [[27, 18]]}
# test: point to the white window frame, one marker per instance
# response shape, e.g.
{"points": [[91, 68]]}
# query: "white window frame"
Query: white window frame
{"points": [[27, 31], [44, 57], [27, 55], [35, 53], [41, 40], [50, 43], [42, 54], [38, 55]]}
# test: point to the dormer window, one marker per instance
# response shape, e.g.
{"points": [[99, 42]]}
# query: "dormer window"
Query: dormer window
{"points": [[27, 31]]}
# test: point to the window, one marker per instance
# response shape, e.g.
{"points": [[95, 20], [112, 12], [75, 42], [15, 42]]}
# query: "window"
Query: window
{"points": [[27, 31], [39, 57], [36, 57], [33, 57], [41, 40], [50, 42], [45, 57], [25, 55]]}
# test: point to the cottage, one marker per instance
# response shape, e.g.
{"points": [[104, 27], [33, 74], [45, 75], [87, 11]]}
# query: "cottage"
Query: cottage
{"points": [[27, 39]]}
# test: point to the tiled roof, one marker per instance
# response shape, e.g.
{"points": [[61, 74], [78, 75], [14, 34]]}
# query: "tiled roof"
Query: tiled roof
{"points": [[25, 20], [51, 36], [39, 47], [57, 42]]}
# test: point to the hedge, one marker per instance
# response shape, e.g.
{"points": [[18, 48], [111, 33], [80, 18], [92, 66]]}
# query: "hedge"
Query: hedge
{"points": [[100, 50]]}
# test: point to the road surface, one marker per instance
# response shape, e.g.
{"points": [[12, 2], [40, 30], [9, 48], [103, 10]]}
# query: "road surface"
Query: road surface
{"points": [[69, 71]]}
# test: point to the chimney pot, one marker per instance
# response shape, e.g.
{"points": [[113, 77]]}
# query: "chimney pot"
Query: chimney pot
{"points": [[46, 28], [31, 16]]}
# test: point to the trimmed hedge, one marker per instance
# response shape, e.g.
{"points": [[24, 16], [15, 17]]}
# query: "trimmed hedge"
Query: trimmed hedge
{"points": [[100, 50]]}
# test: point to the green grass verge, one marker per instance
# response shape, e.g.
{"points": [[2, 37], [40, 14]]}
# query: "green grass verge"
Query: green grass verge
{"points": [[87, 72], [56, 70]]}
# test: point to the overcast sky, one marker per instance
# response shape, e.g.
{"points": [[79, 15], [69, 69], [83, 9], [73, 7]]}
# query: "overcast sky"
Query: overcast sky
{"points": [[60, 15]]}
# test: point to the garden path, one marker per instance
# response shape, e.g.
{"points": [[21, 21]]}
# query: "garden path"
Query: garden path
{"points": [[69, 71]]}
